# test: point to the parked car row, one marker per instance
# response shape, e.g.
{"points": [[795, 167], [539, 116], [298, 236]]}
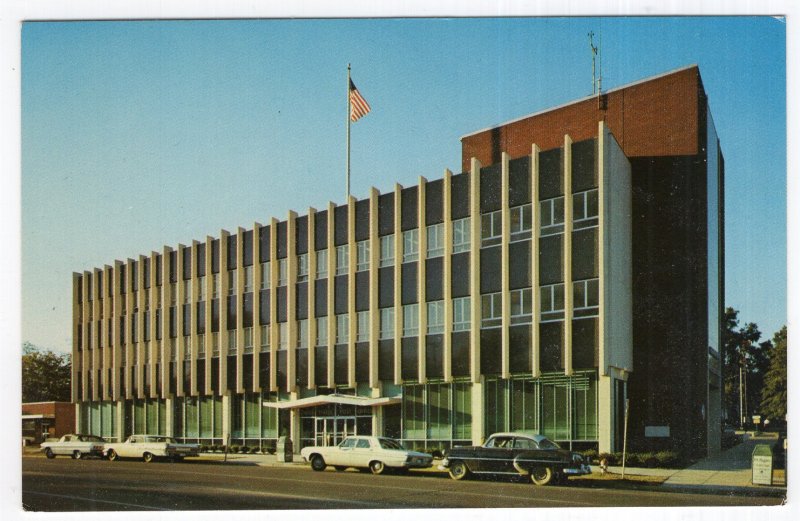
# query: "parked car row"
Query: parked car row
{"points": [[533, 457], [146, 448]]}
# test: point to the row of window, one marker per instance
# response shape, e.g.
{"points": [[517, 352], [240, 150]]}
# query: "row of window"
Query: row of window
{"points": [[585, 209]]}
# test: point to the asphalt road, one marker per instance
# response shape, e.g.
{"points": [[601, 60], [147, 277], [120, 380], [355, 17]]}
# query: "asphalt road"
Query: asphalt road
{"points": [[97, 485]]}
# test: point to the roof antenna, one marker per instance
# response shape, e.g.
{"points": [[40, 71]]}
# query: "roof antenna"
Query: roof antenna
{"points": [[595, 81]]}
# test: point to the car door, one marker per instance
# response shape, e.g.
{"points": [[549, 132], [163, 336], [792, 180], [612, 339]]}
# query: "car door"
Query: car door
{"points": [[342, 453], [63, 446], [362, 453], [489, 458]]}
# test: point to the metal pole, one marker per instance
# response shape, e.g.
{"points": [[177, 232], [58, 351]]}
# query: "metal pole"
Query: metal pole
{"points": [[625, 438], [347, 194], [741, 408]]}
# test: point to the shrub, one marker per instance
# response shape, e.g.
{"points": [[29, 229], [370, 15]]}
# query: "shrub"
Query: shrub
{"points": [[234, 449], [590, 455], [205, 448], [610, 458], [667, 458], [244, 449]]}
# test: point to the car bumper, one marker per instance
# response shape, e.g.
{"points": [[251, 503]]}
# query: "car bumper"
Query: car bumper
{"points": [[416, 464], [577, 471]]}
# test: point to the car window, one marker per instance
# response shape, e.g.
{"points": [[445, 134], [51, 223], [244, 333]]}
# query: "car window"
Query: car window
{"points": [[524, 443], [500, 442], [388, 443], [67, 438], [362, 444], [544, 443], [349, 443]]}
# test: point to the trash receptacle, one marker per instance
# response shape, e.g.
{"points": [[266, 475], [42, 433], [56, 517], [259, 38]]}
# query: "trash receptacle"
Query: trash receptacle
{"points": [[762, 465], [284, 449]]}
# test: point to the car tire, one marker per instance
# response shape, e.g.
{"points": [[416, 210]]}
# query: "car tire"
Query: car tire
{"points": [[76, 454], [541, 475], [377, 467], [458, 470], [147, 457], [49, 453], [112, 455], [318, 463]]}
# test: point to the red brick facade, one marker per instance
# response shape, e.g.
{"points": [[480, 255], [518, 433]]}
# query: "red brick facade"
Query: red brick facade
{"points": [[657, 117], [63, 413]]}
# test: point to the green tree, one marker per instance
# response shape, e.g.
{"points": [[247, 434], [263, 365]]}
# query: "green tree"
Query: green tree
{"points": [[745, 362], [46, 376], [773, 395]]}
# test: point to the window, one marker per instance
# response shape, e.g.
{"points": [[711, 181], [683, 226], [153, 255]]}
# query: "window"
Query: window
{"points": [[302, 267], [322, 331], [387, 251], [214, 286], [461, 235], [584, 209], [521, 306], [362, 325], [436, 317], [410, 245], [552, 216], [248, 340], [552, 302], [232, 342], [322, 264], [435, 239], [232, 282], [214, 346], [461, 314], [586, 298], [342, 328], [491, 310], [264, 338], [248, 279], [491, 228], [520, 222], [342, 259], [265, 275], [387, 324], [362, 255], [283, 276], [201, 289], [302, 333], [187, 291], [173, 293], [283, 336], [201, 346], [172, 351], [411, 320]]}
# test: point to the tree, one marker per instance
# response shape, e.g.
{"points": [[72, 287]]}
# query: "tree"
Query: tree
{"points": [[745, 362], [773, 395], [46, 376]]}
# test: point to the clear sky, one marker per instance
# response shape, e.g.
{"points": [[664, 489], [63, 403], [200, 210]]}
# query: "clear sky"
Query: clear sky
{"points": [[141, 134]]}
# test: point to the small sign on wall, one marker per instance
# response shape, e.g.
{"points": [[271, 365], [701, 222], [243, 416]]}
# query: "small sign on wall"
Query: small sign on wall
{"points": [[656, 431]]}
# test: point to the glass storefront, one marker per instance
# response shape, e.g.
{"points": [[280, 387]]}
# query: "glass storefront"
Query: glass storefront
{"points": [[252, 423], [100, 419], [436, 416], [326, 425]]}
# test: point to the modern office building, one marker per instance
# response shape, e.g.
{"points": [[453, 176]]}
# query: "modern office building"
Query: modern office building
{"points": [[574, 263]]}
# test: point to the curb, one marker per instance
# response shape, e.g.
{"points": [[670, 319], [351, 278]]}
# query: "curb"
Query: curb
{"points": [[754, 491]]}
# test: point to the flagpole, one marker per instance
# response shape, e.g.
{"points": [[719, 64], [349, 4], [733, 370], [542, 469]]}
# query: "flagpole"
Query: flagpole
{"points": [[347, 195]]}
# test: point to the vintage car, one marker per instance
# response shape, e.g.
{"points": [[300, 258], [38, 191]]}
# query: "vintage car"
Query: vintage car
{"points": [[149, 447], [75, 445], [531, 456], [367, 452]]}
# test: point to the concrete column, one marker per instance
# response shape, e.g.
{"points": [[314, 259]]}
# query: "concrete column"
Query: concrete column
{"points": [[505, 291], [120, 412], [76, 321], [478, 413], [141, 344], [130, 371], [223, 312], [351, 291], [273, 305], [536, 293], [398, 302], [475, 274], [179, 301], [78, 417], [166, 297], [226, 407], [331, 314], [421, 276], [116, 333], [294, 425], [568, 291], [97, 332], [169, 422], [605, 414], [374, 311], [209, 286], [239, 309], [256, 306], [195, 285], [447, 344], [152, 345], [312, 298], [291, 298]]}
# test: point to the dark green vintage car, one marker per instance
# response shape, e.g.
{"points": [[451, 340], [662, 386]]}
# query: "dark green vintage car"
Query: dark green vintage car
{"points": [[533, 456]]}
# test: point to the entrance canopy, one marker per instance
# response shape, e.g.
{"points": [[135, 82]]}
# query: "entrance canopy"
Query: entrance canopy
{"points": [[324, 399]]}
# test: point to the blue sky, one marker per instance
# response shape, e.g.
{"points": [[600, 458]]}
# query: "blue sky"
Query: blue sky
{"points": [[140, 134]]}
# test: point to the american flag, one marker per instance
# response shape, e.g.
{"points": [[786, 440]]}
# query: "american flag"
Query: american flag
{"points": [[358, 105]]}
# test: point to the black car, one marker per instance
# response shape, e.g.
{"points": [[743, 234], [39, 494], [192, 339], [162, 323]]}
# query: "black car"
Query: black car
{"points": [[516, 454]]}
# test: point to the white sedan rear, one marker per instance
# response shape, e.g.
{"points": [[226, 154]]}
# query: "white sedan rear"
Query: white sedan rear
{"points": [[368, 452]]}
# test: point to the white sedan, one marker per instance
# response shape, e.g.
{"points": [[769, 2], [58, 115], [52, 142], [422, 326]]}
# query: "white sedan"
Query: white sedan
{"points": [[150, 447], [75, 445], [372, 452]]}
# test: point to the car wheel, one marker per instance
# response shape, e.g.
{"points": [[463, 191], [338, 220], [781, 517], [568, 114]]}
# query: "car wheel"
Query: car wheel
{"points": [[542, 475], [112, 455], [377, 467], [76, 454], [340, 468], [49, 453], [458, 470], [318, 463], [147, 457]]}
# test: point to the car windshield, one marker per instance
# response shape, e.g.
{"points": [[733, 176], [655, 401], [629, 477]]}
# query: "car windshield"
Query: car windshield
{"points": [[388, 443], [544, 443]]}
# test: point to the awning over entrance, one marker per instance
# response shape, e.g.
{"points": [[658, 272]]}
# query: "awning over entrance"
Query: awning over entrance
{"points": [[324, 399], [38, 416]]}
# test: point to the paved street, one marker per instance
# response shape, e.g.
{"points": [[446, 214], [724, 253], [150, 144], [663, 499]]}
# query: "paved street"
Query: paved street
{"points": [[87, 485]]}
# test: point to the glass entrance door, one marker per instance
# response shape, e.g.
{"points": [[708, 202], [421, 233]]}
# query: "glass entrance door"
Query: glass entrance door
{"points": [[332, 430]]}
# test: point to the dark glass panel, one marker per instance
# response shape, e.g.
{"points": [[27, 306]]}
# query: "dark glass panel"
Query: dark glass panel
{"points": [[409, 201], [551, 342], [550, 174], [408, 288], [434, 286], [386, 214], [585, 345], [362, 291], [491, 351], [519, 264], [434, 356], [584, 167], [386, 287], [491, 270], [459, 196], [433, 202], [490, 188], [519, 181], [409, 359], [362, 219], [550, 254]]}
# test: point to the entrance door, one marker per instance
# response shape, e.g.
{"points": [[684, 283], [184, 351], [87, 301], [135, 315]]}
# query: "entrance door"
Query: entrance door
{"points": [[332, 430]]}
